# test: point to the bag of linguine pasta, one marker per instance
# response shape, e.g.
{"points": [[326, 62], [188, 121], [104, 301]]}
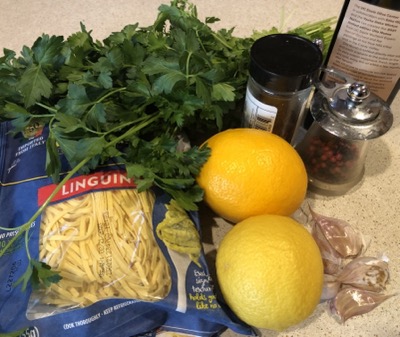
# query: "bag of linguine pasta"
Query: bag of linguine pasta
{"points": [[126, 263]]}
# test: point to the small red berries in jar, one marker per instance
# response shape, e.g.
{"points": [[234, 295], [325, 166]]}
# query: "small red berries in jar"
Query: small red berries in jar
{"points": [[332, 162], [346, 115]]}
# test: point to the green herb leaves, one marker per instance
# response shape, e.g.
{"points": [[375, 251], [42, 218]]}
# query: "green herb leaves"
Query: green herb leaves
{"points": [[98, 97], [34, 83], [36, 274]]}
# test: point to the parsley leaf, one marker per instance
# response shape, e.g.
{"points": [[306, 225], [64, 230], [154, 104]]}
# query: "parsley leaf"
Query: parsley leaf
{"points": [[36, 274], [34, 84]]}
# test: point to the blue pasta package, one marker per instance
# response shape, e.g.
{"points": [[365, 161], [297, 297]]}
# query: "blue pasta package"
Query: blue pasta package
{"points": [[112, 261]]}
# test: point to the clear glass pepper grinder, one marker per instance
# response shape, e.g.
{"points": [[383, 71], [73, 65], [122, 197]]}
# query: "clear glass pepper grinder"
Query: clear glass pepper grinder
{"points": [[345, 116]]}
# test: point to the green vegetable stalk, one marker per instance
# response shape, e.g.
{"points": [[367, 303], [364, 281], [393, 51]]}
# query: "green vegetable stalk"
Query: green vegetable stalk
{"points": [[129, 97]]}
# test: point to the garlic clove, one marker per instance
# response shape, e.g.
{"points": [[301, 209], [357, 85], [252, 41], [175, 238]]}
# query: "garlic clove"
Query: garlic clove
{"points": [[340, 235], [330, 257], [368, 273], [350, 302], [331, 287], [331, 264]]}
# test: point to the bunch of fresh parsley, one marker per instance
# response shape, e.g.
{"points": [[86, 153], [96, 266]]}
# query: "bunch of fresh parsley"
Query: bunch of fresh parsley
{"points": [[129, 98]]}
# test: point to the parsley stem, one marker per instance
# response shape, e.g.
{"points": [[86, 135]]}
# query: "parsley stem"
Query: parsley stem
{"points": [[119, 127], [28, 253], [25, 227], [111, 92], [221, 40], [48, 108], [134, 129], [187, 67]]}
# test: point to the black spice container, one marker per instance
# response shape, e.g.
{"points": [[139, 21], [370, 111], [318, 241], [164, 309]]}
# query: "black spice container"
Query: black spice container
{"points": [[282, 70]]}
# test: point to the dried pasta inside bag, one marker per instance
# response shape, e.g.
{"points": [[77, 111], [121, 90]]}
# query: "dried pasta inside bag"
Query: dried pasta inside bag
{"points": [[102, 243], [131, 263]]}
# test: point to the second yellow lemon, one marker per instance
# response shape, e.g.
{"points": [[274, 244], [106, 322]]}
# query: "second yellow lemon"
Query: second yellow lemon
{"points": [[270, 271], [252, 172]]}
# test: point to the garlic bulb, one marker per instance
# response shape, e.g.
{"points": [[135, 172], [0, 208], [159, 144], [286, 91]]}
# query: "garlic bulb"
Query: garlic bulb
{"points": [[351, 302], [354, 284], [368, 273]]}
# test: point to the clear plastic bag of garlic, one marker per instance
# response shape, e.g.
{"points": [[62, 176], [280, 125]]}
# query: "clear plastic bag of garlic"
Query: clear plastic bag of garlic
{"points": [[355, 283]]}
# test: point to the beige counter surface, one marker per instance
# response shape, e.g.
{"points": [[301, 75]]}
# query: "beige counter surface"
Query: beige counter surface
{"points": [[373, 206]]}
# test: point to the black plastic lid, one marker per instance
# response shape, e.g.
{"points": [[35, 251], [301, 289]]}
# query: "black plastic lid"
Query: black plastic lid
{"points": [[285, 62]]}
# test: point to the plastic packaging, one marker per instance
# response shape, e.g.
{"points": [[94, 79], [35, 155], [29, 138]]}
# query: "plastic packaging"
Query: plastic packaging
{"points": [[122, 273]]}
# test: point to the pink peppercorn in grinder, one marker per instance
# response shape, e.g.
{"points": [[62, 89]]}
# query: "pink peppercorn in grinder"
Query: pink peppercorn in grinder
{"points": [[345, 116]]}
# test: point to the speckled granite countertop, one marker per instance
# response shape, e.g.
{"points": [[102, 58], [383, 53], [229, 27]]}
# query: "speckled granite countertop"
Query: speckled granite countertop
{"points": [[373, 206]]}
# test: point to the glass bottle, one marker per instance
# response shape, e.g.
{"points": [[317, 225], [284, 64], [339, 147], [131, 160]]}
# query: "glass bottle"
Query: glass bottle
{"points": [[366, 45]]}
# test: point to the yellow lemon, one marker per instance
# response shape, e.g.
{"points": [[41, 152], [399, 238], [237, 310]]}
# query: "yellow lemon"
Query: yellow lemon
{"points": [[252, 172], [270, 271]]}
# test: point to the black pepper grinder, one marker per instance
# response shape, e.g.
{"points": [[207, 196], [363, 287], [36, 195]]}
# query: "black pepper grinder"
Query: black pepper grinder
{"points": [[345, 116]]}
